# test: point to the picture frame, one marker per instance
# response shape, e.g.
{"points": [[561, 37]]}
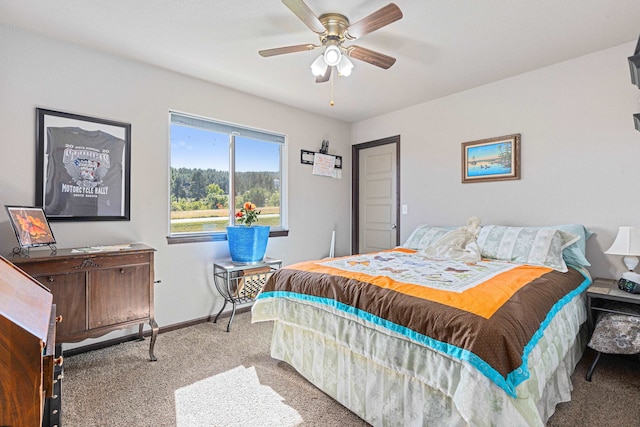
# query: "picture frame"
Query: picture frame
{"points": [[491, 159], [83, 167], [31, 226]]}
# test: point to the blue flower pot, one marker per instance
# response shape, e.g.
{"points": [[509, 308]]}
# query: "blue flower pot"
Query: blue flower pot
{"points": [[247, 245]]}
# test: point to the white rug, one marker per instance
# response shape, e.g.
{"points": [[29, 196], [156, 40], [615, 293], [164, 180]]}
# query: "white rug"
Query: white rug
{"points": [[233, 398]]}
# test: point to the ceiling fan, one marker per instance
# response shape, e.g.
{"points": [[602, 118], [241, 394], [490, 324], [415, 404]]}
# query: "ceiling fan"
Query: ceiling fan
{"points": [[334, 29]]}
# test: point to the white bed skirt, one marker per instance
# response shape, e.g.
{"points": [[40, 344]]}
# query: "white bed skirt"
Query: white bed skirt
{"points": [[388, 380]]}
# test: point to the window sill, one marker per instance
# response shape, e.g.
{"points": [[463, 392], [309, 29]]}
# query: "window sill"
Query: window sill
{"points": [[213, 237]]}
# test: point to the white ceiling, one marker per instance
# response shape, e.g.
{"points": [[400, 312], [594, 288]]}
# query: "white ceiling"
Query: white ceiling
{"points": [[442, 46]]}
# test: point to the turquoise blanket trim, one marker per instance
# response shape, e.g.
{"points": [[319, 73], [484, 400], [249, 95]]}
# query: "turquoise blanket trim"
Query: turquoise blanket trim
{"points": [[508, 384]]}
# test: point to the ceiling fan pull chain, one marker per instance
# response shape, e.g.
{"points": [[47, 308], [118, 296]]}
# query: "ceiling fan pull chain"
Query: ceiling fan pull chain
{"points": [[331, 102]]}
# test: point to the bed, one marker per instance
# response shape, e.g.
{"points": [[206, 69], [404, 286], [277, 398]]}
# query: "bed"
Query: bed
{"points": [[404, 339]]}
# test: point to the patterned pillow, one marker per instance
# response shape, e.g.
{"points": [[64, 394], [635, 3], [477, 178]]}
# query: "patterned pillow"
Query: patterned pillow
{"points": [[575, 253], [526, 245], [424, 235]]}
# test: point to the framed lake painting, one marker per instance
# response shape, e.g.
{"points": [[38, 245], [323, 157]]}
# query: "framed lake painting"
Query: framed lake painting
{"points": [[492, 159]]}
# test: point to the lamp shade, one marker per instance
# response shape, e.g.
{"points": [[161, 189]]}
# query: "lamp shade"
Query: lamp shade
{"points": [[332, 55], [345, 66], [319, 67], [627, 242]]}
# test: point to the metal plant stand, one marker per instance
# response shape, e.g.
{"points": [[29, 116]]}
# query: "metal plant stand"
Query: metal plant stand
{"points": [[241, 283]]}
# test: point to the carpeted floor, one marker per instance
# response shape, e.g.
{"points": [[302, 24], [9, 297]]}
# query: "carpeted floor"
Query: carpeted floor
{"points": [[118, 386]]}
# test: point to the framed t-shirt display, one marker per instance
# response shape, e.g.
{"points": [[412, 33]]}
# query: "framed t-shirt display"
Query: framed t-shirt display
{"points": [[82, 167]]}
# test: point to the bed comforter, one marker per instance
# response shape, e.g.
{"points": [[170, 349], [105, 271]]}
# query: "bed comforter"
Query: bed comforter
{"points": [[490, 314]]}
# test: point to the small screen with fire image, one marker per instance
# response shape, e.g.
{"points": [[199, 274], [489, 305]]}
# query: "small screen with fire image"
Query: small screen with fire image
{"points": [[31, 226]]}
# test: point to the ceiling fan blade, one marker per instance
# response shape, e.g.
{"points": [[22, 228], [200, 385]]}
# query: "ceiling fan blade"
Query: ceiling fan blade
{"points": [[372, 57], [374, 21], [325, 77], [287, 49], [306, 15]]}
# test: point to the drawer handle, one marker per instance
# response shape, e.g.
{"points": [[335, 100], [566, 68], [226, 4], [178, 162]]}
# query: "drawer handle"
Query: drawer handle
{"points": [[58, 361], [51, 279], [55, 411], [59, 318], [122, 271]]}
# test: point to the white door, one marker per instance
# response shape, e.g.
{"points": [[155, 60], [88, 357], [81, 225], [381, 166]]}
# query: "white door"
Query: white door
{"points": [[378, 198]]}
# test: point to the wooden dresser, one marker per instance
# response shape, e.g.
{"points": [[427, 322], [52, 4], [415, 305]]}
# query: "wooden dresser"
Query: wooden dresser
{"points": [[97, 292], [27, 344]]}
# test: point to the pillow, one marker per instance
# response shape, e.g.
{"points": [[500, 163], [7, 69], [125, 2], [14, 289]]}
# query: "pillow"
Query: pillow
{"points": [[424, 235], [526, 245], [575, 253]]}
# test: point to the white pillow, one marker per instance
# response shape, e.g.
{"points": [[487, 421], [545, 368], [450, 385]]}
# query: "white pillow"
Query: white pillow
{"points": [[526, 245]]}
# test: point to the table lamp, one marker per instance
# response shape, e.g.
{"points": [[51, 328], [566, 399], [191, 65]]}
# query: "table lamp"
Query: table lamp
{"points": [[627, 243]]}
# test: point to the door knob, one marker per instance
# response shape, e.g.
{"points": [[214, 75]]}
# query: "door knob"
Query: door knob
{"points": [[393, 226]]}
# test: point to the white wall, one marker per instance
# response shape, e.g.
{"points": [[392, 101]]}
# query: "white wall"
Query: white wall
{"points": [[39, 72], [580, 151]]}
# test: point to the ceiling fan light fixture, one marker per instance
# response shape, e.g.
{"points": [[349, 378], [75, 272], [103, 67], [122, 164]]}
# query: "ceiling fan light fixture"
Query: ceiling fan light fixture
{"points": [[332, 55], [345, 66], [319, 66]]}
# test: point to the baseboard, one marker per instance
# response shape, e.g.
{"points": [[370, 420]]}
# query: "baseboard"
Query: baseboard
{"points": [[134, 337]]}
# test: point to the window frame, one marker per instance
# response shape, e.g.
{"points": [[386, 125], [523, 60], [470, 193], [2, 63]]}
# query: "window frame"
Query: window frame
{"points": [[237, 130]]}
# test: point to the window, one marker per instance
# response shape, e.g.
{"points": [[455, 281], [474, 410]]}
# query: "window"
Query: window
{"points": [[215, 168]]}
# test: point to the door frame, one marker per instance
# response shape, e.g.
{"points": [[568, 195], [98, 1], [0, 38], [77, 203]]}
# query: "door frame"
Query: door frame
{"points": [[355, 187]]}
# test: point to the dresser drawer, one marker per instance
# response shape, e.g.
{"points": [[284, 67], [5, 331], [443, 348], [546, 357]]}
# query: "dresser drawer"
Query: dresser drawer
{"points": [[80, 263]]}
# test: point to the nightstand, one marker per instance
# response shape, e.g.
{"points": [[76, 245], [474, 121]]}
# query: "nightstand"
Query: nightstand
{"points": [[606, 290], [605, 296]]}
